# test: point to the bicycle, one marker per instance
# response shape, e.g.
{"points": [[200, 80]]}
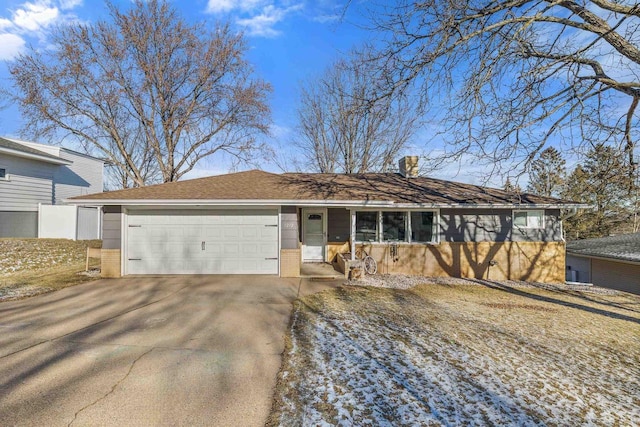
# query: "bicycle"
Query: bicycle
{"points": [[370, 264]]}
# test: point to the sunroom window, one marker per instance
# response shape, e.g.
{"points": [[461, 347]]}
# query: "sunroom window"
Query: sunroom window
{"points": [[422, 227], [366, 226], [394, 226]]}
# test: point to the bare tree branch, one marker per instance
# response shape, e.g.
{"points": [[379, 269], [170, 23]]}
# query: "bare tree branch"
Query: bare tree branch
{"points": [[517, 75], [345, 125], [150, 92]]}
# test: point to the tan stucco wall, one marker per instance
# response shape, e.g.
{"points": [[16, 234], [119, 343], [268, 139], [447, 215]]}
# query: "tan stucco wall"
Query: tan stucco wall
{"points": [[110, 263], [290, 260], [531, 261], [335, 248]]}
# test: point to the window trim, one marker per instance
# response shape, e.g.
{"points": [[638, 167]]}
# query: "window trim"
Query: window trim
{"points": [[6, 175], [408, 241], [406, 226], [540, 226], [377, 230], [435, 227]]}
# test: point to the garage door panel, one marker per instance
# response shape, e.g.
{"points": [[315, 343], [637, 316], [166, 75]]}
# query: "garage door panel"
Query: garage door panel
{"points": [[269, 233], [170, 242]]}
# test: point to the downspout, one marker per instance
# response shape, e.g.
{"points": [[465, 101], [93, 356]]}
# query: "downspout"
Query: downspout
{"points": [[353, 235], [572, 212]]}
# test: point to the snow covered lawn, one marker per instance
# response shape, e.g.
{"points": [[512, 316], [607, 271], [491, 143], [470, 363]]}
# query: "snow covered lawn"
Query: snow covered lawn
{"points": [[33, 266], [461, 354]]}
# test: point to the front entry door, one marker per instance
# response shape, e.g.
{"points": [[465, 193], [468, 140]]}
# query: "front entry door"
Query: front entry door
{"points": [[314, 234]]}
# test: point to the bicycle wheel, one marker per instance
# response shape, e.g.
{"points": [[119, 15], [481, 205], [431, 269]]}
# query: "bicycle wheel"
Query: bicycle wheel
{"points": [[370, 265]]}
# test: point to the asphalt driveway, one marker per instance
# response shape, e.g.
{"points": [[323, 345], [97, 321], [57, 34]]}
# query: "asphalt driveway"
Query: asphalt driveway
{"points": [[194, 350]]}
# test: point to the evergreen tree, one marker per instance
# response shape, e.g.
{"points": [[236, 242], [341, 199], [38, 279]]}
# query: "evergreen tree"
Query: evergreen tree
{"points": [[509, 187], [602, 181], [547, 176]]}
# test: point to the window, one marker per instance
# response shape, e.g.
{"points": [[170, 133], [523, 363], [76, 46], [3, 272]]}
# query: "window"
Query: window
{"points": [[422, 227], [394, 226], [528, 219], [366, 226], [3, 173]]}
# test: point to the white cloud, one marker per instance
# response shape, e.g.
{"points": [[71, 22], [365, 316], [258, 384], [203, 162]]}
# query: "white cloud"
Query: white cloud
{"points": [[29, 22], [5, 23], [221, 6], [34, 16], [262, 25], [323, 19], [258, 17], [279, 132], [10, 46], [69, 4]]}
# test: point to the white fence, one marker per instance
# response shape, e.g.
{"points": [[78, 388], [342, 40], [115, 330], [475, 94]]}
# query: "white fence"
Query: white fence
{"points": [[69, 222]]}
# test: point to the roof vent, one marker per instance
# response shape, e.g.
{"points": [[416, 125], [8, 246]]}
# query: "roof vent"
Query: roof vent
{"points": [[408, 166]]}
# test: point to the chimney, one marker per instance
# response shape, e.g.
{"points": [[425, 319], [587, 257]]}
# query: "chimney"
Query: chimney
{"points": [[408, 166]]}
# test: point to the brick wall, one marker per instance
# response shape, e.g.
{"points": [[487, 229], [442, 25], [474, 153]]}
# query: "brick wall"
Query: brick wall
{"points": [[110, 266], [529, 261], [290, 262]]}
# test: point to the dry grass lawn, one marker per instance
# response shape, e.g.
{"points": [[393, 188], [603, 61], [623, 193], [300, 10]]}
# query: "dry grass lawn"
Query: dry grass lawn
{"points": [[475, 354], [33, 266]]}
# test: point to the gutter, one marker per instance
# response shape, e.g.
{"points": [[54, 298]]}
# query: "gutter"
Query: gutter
{"points": [[603, 258], [312, 203]]}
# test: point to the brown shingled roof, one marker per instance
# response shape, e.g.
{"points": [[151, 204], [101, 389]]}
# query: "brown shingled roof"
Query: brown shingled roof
{"points": [[377, 187]]}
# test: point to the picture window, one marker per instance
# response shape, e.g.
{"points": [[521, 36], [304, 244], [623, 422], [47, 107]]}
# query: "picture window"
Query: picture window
{"points": [[528, 219], [366, 226], [396, 226]]}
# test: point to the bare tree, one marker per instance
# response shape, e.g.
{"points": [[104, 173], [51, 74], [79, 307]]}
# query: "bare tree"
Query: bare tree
{"points": [[345, 125], [517, 73], [147, 90]]}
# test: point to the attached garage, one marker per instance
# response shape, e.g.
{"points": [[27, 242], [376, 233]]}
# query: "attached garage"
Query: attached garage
{"points": [[616, 275], [612, 262], [186, 241]]}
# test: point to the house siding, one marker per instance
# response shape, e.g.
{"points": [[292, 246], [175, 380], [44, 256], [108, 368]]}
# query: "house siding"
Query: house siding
{"points": [[339, 225], [289, 227], [495, 225], [84, 176], [111, 227], [616, 275], [29, 182], [581, 265]]}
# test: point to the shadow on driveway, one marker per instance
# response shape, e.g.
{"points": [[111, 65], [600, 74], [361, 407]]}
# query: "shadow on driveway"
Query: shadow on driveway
{"points": [[165, 350]]}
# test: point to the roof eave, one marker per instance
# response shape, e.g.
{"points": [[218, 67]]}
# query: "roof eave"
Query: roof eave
{"points": [[301, 202], [603, 257], [33, 156]]}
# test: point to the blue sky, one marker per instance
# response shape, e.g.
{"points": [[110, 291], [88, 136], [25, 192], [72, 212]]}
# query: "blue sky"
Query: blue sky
{"points": [[290, 40]]}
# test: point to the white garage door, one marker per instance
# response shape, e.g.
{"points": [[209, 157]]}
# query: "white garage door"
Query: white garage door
{"points": [[202, 242]]}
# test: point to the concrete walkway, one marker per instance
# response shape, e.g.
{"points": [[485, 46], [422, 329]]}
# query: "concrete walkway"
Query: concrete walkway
{"points": [[187, 350]]}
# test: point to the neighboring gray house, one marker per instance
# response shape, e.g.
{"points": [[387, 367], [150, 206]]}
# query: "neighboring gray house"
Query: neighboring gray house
{"points": [[33, 174], [612, 262]]}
